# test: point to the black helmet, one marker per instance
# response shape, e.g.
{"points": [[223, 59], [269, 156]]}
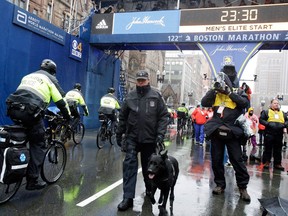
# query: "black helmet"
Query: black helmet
{"points": [[183, 104], [77, 86], [111, 90], [49, 66]]}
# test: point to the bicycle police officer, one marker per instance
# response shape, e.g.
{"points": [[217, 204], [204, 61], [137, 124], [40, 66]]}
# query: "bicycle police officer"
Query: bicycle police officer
{"points": [[73, 98], [108, 106], [182, 114], [26, 107]]}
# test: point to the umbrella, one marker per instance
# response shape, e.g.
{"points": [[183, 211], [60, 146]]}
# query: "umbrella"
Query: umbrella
{"points": [[274, 206]]}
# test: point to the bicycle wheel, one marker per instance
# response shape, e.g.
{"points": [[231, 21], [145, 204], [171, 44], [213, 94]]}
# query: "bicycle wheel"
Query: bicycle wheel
{"points": [[78, 133], [54, 162], [7, 191], [100, 139]]}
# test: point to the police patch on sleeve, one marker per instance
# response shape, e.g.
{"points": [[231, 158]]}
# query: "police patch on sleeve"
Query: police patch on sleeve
{"points": [[152, 103]]}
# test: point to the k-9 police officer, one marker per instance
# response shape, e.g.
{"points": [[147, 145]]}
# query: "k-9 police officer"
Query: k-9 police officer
{"points": [[143, 119], [26, 107]]}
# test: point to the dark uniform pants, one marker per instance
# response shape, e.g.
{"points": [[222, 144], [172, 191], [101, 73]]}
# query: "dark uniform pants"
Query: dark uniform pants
{"points": [[235, 157], [75, 114], [37, 149], [130, 166], [272, 143]]}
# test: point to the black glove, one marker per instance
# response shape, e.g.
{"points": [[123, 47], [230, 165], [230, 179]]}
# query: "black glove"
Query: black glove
{"points": [[160, 142], [66, 116], [227, 90], [159, 139], [86, 113]]}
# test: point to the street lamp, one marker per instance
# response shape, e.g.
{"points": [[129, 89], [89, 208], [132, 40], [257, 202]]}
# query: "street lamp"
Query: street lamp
{"points": [[160, 77]]}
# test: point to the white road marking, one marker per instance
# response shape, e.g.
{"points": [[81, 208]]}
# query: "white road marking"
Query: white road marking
{"points": [[102, 192]]}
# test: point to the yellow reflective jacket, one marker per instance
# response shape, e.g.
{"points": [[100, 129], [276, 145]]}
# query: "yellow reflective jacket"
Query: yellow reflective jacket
{"points": [[76, 96]]}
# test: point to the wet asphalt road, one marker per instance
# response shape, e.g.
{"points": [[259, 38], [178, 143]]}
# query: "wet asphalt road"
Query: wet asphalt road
{"points": [[92, 184]]}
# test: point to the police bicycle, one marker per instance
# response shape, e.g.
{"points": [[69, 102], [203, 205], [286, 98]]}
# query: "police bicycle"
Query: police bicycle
{"points": [[63, 130], [54, 162], [105, 132]]}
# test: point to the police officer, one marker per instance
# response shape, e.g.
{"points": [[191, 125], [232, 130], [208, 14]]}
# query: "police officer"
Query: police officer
{"points": [[182, 114], [228, 103], [26, 106], [74, 98], [274, 121], [109, 105], [143, 119]]}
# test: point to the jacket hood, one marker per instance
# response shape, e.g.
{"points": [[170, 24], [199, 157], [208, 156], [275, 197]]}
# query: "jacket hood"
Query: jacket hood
{"points": [[250, 109]]}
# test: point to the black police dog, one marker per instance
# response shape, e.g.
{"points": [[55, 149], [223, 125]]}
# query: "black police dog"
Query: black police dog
{"points": [[163, 172]]}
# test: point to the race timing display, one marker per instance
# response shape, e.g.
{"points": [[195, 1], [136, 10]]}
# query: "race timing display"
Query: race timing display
{"points": [[229, 19], [256, 23]]}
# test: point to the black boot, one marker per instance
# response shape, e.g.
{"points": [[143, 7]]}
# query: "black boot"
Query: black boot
{"points": [[125, 204], [33, 184]]}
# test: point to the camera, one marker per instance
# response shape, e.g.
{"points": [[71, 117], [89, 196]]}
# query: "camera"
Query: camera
{"points": [[219, 83]]}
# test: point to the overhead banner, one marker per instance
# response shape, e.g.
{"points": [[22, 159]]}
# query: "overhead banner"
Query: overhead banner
{"points": [[35, 24], [255, 23], [221, 54], [146, 22]]}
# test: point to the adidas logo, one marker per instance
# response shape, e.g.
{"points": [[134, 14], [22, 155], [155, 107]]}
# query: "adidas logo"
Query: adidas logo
{"points": [[102, 25]]}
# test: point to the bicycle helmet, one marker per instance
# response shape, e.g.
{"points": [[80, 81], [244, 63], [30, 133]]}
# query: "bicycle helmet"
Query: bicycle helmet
{"points": [[49, 66], [77, 86], [111, 90]]}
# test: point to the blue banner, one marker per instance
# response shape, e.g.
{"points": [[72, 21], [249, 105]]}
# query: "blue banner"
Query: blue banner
{"points": [[221, 54], [230, 37], [146, 22], [30, 21]]}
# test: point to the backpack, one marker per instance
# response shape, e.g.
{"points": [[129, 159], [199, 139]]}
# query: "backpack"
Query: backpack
{"points": [[14, 162]]}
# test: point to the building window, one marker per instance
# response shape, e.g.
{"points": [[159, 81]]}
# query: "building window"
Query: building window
{"points": [[22, 4], [49, 11], [66, 20], [35, 12]]}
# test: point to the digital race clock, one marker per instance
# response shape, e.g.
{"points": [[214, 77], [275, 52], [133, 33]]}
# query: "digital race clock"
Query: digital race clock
{"points": [[256, 14]]}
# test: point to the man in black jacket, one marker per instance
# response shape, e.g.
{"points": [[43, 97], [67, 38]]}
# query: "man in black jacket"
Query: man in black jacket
{"points": [[227, 103], [274, 121], [143, 119]]}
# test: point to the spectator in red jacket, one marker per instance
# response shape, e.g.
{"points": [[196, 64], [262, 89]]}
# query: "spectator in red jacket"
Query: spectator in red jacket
{"points": [[199, 118], [248, 91]]}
